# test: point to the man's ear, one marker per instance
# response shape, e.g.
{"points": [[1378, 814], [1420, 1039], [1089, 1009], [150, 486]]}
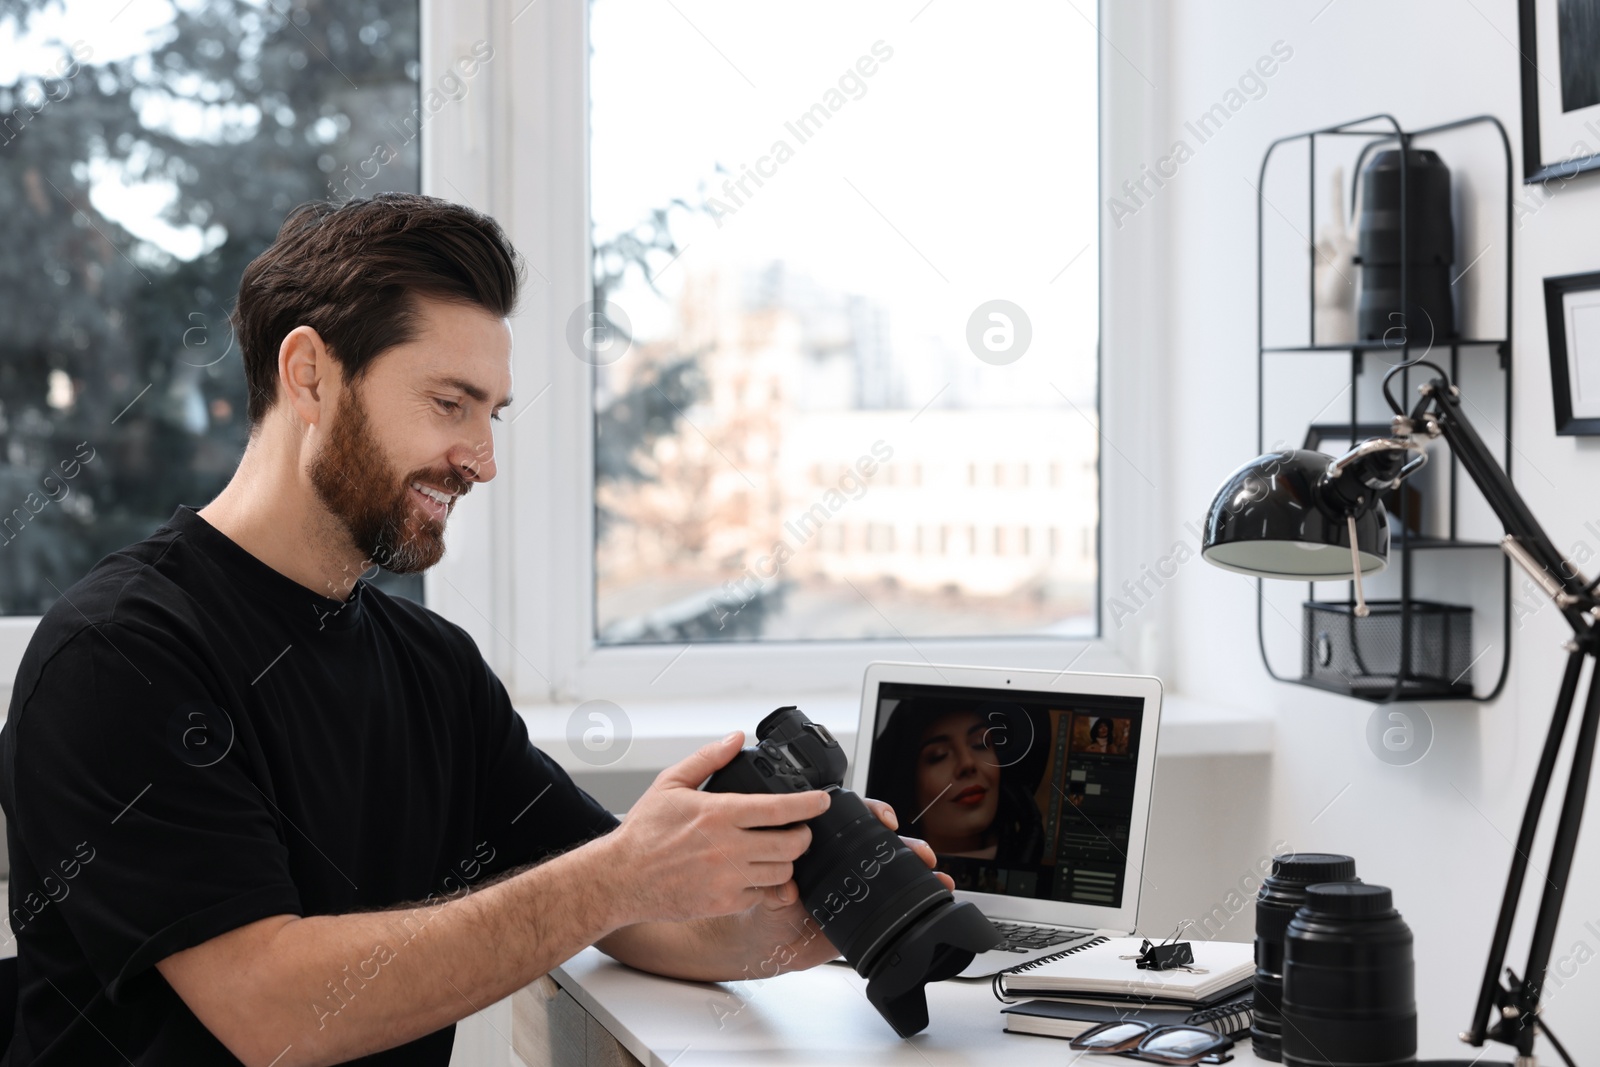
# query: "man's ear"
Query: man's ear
{"points": [[307, 373]]}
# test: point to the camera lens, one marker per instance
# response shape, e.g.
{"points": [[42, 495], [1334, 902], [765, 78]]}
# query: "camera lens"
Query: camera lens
{"points": [[886, 913], [1281, 895], [1348, 980], [860, 882], [876, 902]]}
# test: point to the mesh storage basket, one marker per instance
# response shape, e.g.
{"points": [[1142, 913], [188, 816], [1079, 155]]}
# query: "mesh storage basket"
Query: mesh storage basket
{"points": [[1362, 656]]}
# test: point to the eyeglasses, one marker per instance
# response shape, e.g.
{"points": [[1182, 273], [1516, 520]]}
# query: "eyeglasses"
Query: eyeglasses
{"points": [[1179, 1045]]}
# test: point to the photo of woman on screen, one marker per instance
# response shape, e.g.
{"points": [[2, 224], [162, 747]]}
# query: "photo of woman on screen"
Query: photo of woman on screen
{"points": [[1104, 735], [1099, 736], [954, 772]]}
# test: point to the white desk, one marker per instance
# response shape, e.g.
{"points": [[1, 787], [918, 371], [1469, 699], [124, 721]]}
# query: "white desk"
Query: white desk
{"points": [[815, 1018]]}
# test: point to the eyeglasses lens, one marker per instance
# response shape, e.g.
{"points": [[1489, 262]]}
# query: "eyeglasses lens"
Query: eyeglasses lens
{"points": [[1184, 1044], [1112, 1036]]}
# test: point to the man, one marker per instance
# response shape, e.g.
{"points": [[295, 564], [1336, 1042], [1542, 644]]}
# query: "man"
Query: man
{"points": [[248, 792]]}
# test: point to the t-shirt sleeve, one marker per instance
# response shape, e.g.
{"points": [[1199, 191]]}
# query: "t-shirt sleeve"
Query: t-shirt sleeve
{"points": [[530, 807], [126, 764]]}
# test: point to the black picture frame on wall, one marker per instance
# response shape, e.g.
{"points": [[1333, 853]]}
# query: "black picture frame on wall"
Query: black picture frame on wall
{"points": [[1571, 300], [1560, 45]]}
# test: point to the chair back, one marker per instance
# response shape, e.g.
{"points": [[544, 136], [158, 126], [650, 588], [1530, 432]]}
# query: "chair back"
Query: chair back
{"points": [[8, 1001]]}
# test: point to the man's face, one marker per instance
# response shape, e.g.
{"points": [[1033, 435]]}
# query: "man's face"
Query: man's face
{"points": [[415, 429]]}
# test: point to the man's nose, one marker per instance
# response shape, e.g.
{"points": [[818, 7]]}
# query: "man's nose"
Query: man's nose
{"points": [[475, 465]]}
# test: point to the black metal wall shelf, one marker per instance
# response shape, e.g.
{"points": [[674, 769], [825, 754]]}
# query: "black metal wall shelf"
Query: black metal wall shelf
{"points": [[1373, 346], [1409, 615]]}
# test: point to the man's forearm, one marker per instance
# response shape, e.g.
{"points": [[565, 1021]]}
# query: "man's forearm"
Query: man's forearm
{"points": [[701, 950], [285, 991], [326, 989], [729, 948]]}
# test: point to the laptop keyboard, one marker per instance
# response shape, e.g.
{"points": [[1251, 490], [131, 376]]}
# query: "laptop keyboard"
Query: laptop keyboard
{"points": [[1024, 937]]}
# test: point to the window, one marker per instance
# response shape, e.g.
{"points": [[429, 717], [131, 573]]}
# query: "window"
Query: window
{"points": [[802, 193], [145, 161], [829, 311]]}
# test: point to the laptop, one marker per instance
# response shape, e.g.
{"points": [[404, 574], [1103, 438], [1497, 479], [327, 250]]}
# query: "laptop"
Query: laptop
{"points": [[1032, 787]]}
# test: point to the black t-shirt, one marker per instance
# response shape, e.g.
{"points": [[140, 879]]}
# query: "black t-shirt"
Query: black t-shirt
{"points": [[196, 741]]}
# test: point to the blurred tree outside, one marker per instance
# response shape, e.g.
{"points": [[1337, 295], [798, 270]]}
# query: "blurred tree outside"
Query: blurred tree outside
{"points": [[240, 110], [636, 411], [629, 419]]}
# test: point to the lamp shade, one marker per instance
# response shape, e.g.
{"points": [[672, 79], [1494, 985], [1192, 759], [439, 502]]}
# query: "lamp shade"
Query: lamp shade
{"points": [[1273, 518]]}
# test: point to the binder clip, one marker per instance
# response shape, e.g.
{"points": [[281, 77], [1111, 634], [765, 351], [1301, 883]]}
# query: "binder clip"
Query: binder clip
{"points": [[1170, 955], [1165, 956]]}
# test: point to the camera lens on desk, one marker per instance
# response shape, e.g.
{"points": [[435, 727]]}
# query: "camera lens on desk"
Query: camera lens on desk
{"points": [[1348, 980], [1281, 895]]}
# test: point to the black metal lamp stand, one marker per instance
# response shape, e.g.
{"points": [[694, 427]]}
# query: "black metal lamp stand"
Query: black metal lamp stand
{"points": [[1509, 1012], [1517, 1001]]}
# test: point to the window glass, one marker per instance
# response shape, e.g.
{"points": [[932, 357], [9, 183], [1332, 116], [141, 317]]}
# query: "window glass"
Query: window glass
{"points": [[148, 151], [845, 319]]}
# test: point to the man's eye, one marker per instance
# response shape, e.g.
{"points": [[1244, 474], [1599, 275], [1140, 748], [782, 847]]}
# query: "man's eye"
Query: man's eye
{"points": [[450, 406]]}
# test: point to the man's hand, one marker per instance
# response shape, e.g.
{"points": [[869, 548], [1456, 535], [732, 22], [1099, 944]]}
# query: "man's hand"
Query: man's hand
{"points": [[686, 854], [772, 935]]}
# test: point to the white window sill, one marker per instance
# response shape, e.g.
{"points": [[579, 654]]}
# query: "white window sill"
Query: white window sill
{"points": [[664, 732]]}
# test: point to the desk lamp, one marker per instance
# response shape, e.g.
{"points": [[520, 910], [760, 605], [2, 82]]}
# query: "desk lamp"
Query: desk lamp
{"points": [[1307, 516]]}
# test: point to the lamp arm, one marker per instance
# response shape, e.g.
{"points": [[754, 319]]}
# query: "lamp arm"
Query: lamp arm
{"points": [[1489, 476]]}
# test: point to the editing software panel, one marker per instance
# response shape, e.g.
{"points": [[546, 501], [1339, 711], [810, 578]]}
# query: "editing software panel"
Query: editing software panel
{"points": [[1023, 794]]}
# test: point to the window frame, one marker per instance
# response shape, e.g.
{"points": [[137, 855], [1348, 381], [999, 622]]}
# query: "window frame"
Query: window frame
{"points": [[549, 653], [518, 570]]}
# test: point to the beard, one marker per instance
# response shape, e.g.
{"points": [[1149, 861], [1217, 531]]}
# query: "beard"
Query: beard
{"points": [[372, 501]]}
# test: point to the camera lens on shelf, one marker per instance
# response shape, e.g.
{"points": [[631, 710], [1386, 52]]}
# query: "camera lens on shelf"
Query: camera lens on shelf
{"points": [[1348, 980], [1280, 896]]}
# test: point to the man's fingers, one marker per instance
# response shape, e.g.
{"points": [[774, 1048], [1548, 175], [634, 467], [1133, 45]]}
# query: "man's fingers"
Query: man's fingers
{"points": [[927, 855], [770, 896], [772, 846], [769, 874], [750, 810], [697, 767], [883, 811], [920, 847]]}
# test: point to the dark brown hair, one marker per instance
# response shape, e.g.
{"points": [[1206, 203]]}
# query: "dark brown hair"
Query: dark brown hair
{"points": [[352, 272]]}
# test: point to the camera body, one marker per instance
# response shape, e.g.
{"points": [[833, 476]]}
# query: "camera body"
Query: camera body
{"points": [[876, 902], [792, 754]]}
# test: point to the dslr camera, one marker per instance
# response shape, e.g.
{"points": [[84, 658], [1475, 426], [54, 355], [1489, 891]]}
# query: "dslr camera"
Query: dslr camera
{"points": [[878, 904]]}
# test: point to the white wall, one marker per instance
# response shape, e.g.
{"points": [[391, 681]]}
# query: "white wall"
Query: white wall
{"points": [[1437, 831]]}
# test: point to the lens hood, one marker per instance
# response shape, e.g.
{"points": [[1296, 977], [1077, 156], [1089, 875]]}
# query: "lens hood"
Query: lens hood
{"points": [[934, 947]]}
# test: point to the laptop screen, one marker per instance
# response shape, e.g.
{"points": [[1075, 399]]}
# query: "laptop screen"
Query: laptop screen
{"points": [[1019, 793]]}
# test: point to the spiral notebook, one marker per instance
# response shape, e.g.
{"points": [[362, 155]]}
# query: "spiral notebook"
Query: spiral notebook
{"points": [[1103, 970]]}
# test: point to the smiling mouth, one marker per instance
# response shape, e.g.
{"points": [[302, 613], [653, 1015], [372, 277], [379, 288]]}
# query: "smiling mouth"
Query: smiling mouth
{"points": [[970, 797], [435, 503]]}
